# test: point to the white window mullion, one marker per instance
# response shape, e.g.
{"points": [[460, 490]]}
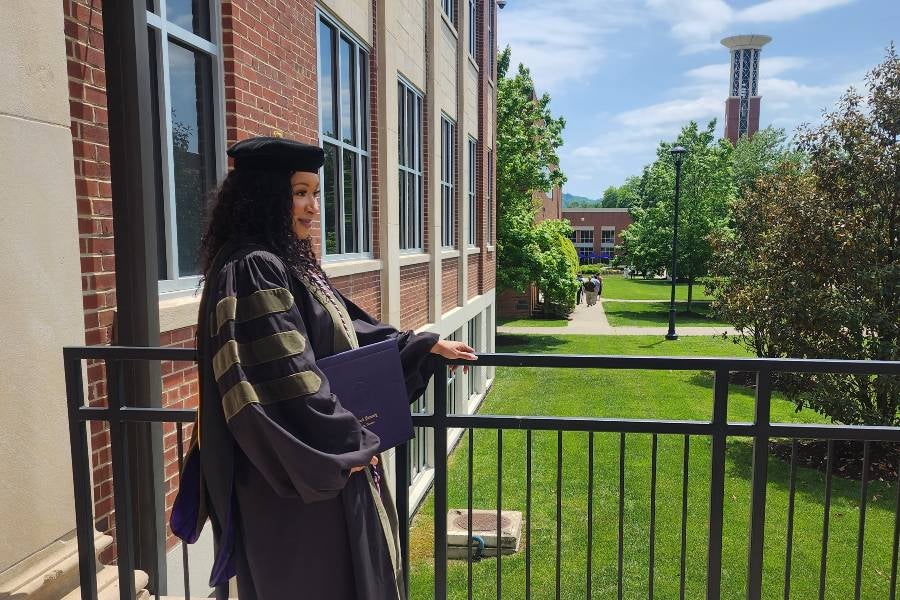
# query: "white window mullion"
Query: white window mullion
{"points": [[168, 158]]}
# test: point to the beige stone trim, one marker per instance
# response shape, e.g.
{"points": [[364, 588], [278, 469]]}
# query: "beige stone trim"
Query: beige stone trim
{"points": [[178, 313], [340, 268], [445, 254], [413, 258]]}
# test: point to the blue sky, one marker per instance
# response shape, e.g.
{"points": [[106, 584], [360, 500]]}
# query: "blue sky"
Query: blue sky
{"points": [[628, 73]]}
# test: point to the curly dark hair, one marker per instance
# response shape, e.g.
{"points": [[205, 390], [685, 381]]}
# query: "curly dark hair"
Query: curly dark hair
{"points": [[255, 207]]}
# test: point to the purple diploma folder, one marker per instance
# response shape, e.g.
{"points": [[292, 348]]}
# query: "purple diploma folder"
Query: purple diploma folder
{"points": [[369, 382]]}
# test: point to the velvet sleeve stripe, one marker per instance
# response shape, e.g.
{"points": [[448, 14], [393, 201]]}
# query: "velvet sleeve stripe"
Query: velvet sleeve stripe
{"points": [[243, 394], [258, 304], [270, 348]]}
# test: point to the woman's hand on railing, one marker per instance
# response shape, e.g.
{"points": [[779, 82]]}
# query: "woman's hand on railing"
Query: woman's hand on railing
{"points": [[372, 462], [454, 350]]}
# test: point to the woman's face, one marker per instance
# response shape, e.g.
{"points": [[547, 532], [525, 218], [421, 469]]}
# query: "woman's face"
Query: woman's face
{"points": [[305, 193]]}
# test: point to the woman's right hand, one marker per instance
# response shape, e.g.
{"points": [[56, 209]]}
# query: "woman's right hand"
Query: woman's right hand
{"points": [[372, 462]]}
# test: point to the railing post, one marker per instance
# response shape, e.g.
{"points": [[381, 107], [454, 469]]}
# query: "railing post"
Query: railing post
{"points": [[440, 481], [401, 487], [81, 479], [118, 440], [717, 484], [758, 484]]}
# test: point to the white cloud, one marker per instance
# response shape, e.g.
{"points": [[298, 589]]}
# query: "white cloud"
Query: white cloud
{"points": [[563, 41], [777, 11], [769, 65], [698, 24]]}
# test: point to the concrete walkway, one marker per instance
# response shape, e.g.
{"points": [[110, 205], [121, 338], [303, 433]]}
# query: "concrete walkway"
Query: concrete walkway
{"points": [[591, 320]]}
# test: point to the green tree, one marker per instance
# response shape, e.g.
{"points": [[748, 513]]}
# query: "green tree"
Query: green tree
{"points": [[812, 267], [707, 187], [558, 265], [528, 137], [761, 154], [610, 197]]}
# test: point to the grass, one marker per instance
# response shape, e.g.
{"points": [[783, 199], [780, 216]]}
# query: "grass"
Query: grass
{"points": [[646, 394], [649, 314], [533, 322], [616, 287]]}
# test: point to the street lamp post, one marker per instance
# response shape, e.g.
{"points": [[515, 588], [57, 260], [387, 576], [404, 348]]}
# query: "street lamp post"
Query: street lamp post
{"points": [[677, 155]]}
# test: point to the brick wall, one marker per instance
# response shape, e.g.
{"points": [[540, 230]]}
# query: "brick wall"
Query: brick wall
{"points": [[513, 304], [364, 289], [449, 284], [414, 294], [179, 390], [472, 275], [619, 218], [83, 27]]}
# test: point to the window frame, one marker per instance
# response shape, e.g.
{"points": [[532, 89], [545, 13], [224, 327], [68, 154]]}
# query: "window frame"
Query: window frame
{"points": [[416, 245], [472, 234], [490, 196], [165, 32], [473, 39], [448, 188], [448, 7], [474, 340], [362, 149]]}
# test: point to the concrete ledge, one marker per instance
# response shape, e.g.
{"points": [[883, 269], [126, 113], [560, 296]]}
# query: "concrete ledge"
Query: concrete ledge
{"points": [[177, 313], [341, 268], [413, 258]]}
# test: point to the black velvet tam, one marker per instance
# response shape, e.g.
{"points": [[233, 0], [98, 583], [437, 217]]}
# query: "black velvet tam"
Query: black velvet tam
{"points": [[276, 154]]}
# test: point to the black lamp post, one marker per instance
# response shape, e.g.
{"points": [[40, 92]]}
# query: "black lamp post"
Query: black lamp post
{"points": [[677, 155]]}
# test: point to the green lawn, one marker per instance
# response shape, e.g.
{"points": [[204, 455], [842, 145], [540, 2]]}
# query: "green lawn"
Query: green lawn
{"points": [[533, 322], [648, 314], [616, 287], [646, 394]]}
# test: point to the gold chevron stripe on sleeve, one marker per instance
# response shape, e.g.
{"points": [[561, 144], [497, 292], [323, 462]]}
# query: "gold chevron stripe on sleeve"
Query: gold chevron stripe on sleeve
{"points": [[243, 394], [272, 347], [258, 304]]}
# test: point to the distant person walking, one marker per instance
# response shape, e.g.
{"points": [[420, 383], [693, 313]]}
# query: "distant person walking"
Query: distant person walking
{"points": [[591, 287], [599, 284], [580, 290]]}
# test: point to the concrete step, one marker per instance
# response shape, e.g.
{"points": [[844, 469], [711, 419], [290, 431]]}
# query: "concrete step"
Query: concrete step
{"points": [[49, 573], [108, 585]]}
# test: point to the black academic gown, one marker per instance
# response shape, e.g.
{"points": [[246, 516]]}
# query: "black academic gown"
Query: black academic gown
{"points": [[277, 447]]}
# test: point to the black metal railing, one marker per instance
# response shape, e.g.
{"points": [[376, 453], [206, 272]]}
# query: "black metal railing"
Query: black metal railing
{"points": [[718, 430]]}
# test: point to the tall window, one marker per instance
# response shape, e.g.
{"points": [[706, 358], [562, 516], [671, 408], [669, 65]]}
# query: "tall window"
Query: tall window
{"points": [[183, 66], [472, 340], [473, 164], [418, 446], [448, 213], [409, 120], [490, 197], [452, 396], [344, 130], [492, 50], [473, 21], [449, 8]]}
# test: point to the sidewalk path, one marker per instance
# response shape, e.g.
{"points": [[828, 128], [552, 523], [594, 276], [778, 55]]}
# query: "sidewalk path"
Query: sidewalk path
{"points": [[591, 320]]}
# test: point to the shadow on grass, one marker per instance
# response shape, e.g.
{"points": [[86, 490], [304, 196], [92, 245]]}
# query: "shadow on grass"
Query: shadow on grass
{"points": [[658, 317], [528, 343], [810, 482]]}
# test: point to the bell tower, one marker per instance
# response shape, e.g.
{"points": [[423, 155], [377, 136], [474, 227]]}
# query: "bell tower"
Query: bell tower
{"points": [[742, 105]]}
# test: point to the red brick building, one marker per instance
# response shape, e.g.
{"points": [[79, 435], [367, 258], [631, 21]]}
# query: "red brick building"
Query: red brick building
{"points": [[597, 231], [516, 304], [407, 229]]}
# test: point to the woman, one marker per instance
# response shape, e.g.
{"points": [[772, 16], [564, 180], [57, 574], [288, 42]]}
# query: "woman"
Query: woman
{"points": [[290, 476]]}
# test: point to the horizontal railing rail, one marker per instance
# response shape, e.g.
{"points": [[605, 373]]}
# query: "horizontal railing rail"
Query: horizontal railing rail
{"points": [[718, 429]]}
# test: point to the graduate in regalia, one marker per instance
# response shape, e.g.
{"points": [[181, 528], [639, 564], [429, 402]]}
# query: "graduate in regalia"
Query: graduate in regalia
{"points": [[286, 475]]}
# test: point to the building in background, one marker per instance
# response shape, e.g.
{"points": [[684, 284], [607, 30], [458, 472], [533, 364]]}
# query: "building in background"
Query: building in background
{"points": [[597, 232], [743, 103], [513, 303], [401, 94]]}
